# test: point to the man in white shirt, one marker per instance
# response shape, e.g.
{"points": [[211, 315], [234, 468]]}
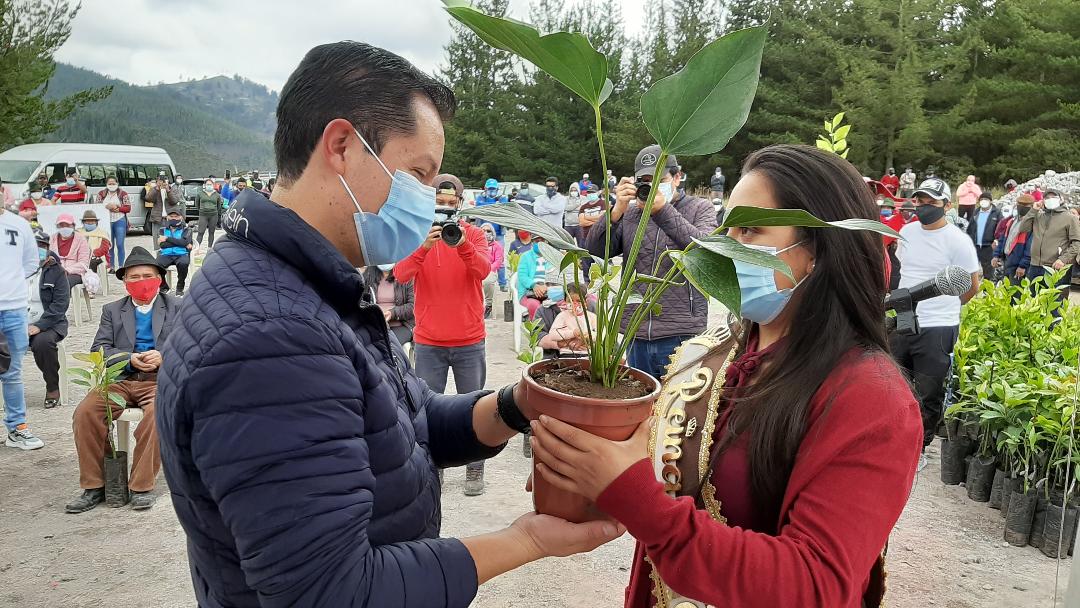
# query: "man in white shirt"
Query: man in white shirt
{"points": [[925, 248], [18, 260], [550, 206]]}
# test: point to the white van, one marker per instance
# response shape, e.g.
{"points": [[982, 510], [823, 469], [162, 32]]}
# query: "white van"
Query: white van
{"points": [[133, 166]]}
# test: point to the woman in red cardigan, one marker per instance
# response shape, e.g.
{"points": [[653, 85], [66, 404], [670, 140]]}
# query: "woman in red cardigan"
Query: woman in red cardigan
{"points": [[817, 434]]}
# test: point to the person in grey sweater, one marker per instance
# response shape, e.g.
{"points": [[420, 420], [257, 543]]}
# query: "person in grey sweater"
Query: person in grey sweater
{"points": [[676, 220], [573, 206], [551, 205]]}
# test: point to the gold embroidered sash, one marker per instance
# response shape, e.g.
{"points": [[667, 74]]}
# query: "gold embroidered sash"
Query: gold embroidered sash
{"points": [[681, 438]]}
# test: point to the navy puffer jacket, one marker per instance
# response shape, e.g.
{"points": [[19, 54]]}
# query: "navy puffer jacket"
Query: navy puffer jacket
{"points": [[300, 450]]}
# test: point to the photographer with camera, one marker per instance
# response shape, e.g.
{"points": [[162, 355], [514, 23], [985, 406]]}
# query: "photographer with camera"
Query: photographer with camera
{"points": [[448, 272], [676, 220]]}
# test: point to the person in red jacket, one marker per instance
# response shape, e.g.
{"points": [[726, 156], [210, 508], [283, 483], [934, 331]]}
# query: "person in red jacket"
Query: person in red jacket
{"points": [[449, 310], [891, 181], [815, 434], [893, 220]]}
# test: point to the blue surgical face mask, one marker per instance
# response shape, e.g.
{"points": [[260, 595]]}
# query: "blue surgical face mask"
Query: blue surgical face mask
{"points": [[71, 181], [493, 192], [89, 227], [592, 196], [762, 302], [42, 254], [555, 294], [386, 267], [665, 189], [886, 213], [402, 223]]}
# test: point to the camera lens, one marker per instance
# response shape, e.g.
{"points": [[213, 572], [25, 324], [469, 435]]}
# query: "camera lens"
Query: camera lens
{"points": [[451, 233], [643, 190]]}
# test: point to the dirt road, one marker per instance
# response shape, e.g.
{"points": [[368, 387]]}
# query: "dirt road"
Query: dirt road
{"points": [[946, 551]]}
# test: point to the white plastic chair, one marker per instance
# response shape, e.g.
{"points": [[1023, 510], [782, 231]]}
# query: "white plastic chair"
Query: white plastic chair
{"points": [[171, 274], [103, 276], [125, 438], [65, 392], [78, 292], [519, 310]]}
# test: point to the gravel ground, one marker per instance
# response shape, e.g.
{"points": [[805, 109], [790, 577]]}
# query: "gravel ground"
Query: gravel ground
{"points": [[946, 551]]}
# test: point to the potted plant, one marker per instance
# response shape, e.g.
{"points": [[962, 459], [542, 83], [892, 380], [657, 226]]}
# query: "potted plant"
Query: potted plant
{"points": [[99, 376], [695, 111]]}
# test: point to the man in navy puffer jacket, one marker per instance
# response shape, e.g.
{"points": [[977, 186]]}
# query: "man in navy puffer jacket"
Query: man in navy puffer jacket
{"points": [[300, 449]]}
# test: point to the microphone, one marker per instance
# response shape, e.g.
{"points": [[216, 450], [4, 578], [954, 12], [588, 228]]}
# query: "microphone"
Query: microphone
{"points": [[950, 281]]}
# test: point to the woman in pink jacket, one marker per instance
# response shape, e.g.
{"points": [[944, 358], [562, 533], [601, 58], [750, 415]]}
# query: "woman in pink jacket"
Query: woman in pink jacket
{"points": [[967, 195], [74, 252], [496, 257]]}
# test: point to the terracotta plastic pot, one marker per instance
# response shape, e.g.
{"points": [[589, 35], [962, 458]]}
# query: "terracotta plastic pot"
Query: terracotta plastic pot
{"points": [[613, 419]]}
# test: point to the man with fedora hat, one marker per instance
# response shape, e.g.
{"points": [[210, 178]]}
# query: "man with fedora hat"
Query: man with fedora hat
{"points": [[47, 315], [676, 220], [98, 238], [136, 327]]}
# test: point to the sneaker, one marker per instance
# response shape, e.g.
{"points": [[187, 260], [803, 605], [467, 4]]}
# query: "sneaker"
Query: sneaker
{"points": [[141, 501], [179, 292], [23, 439], [474, 479], [86, 501], [51, 402], [502, 288], [487, 311], [922, 462], [526, 446]]}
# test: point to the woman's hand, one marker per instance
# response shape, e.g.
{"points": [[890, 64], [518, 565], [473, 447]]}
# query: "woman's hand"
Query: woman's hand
{"points": [[548, 536], [580, 462]]}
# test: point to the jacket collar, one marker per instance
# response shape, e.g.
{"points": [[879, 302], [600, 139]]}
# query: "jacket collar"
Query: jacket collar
{"points": [[262, 223]]}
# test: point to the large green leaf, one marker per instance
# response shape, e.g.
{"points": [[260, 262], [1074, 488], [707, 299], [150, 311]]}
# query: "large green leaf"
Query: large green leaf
{"points": [[760, 216], [512, 215], [698, 109], [713, 275], [729, 247], [567, 57]]}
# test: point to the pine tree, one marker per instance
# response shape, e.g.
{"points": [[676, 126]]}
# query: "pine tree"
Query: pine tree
{"points": [[31, 31]]}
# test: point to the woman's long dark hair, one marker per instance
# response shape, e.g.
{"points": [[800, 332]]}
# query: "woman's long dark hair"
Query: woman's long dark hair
{"points": [[839, 305]]}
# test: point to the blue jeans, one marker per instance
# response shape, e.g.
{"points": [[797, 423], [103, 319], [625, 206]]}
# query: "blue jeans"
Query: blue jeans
{"points": [[653, 356], [502, 276], [119, 233], [468, 362], [13, 324]]}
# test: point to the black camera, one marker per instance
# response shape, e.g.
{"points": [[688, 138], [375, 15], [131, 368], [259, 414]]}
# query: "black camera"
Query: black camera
{"points": [[446, 218], [643, 190]]}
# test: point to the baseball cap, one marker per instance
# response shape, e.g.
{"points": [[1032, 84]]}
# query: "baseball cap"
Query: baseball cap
{"points": [[645, 163], [65, 218], [935, 189], [987, 196], [490, 183], [1051, 192], [448, 184]]}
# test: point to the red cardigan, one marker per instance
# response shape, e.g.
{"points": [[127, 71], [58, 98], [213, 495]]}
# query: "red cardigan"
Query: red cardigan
{"points": [[850, 481]]}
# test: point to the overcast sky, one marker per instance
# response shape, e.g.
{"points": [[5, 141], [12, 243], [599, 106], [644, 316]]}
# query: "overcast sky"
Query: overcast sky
{"points": [[142, 41]]}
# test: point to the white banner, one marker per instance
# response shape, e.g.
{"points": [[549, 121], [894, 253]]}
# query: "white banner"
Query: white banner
{"points": [[47, 215]]}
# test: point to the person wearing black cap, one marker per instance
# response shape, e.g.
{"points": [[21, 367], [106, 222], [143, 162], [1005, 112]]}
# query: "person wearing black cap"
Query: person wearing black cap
{"points": [[47, 316], [175, 243], [1055, 237], [523, 193], [135, 327], [676, 220], [924, 249], [448, 282], [981, 229]]}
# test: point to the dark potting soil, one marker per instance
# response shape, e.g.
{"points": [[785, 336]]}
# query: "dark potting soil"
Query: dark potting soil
{"points": [[996, 489], [1018, 521], [116, 480], [953, 466], [578, 383], [980, 478], [1052, 530]]}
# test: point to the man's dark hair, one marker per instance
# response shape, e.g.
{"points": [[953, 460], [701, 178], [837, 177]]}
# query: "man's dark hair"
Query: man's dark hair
{"points": [[364, 84], [110, 176], [552, 179], [70, 171]]}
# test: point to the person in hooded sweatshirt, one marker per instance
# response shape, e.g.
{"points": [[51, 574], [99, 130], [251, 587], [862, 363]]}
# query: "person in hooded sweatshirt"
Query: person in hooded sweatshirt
{"points": [[450, 332]]}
